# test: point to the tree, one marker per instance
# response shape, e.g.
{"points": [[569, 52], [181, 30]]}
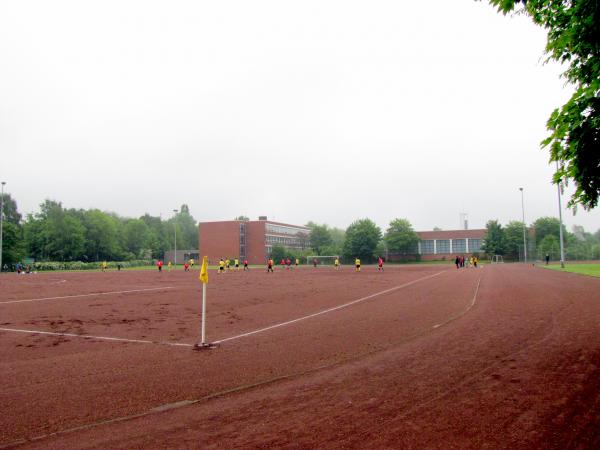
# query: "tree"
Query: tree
{"points": [[319, 237], [573, 40], [545, 226], [549, 246], [494, 239], [187, 229], [101, 236], [279, 252], [513, 235], [157, 237], [362, 237], [13, 246], [242, 218], [55, 233], [10, 210], [400, 238], [136, 239]]}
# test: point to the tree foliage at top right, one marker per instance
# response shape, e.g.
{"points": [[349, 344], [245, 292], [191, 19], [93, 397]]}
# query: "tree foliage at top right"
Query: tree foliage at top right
{"points": [[574, 40]]}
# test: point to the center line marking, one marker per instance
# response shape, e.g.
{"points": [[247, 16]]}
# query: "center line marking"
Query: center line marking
{"points": [[85, 295], [325, 311]]}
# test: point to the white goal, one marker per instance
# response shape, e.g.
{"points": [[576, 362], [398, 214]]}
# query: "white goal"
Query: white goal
{"points": [[497, 259], [321, 260]]}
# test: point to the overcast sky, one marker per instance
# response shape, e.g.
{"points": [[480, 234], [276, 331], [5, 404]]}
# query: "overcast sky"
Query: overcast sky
{"points": [[316, 110]]}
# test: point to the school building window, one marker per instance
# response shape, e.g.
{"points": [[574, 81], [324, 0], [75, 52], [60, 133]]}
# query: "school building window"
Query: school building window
{"points": [[427, 247], [474, 245], [459, 246], [443, 246]]}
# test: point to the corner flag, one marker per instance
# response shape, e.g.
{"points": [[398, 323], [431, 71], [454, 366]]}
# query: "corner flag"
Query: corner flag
{"points": [[204, 270]]}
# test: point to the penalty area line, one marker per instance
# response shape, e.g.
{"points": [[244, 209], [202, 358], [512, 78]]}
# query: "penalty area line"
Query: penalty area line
{"points": [[328, 310], [85, 295], [104, 338]]}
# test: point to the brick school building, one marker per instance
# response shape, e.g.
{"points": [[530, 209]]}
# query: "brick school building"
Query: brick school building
{"points": [[252, 240]]}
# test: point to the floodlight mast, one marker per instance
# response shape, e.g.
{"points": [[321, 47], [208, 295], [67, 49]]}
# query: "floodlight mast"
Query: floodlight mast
{"points": [[524, 226], [560, 231]]}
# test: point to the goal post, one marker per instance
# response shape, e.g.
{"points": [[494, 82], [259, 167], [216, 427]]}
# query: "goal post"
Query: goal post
{"points": [[322, 260], [497, 259]]}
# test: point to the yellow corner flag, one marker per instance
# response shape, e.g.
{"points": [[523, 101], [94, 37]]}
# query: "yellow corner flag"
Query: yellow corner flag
{"points": [[204, 270]]}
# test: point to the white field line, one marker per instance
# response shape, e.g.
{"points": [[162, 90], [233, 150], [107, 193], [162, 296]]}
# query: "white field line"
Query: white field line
{"points": [[85, 295], [104, 338], [473, 300], [325, 311]]}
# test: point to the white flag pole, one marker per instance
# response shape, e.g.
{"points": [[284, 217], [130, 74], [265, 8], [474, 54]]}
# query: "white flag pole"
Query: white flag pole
{"points": [[203, 313]]}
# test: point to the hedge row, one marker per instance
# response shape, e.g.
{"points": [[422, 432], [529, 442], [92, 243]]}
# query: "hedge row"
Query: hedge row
{"points": [[80, 265]]}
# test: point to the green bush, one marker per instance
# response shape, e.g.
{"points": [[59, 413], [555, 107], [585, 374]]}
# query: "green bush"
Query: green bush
{"points": [[42, 266]]}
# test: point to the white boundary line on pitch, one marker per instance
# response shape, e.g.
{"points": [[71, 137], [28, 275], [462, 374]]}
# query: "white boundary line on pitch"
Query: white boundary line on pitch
{"points": [[473, 300], [325, 311], [104, 338], [85, 295]]}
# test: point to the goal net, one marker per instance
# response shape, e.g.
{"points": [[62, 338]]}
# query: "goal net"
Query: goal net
{"points": [[321, 260], [497, 259]]}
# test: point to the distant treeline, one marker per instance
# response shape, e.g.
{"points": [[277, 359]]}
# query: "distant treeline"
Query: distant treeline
{"points": [[543, 238], [61, 234]]}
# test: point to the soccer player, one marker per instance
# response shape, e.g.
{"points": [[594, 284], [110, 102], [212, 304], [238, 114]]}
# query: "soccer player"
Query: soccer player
{"points": [[246, 265], [297, 262], [380, 264], [315, 262], [159, 264], [186, 267], [236, 263], [270, 266], [169, 264], [192, 262], [357, 264], [227, 262], [336, 263], [288, 263], [221, 266], [104, 266]]}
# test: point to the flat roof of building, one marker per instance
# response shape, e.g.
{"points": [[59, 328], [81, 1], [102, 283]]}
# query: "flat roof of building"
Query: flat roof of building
{"points": [[259, 221], [453, 234]]}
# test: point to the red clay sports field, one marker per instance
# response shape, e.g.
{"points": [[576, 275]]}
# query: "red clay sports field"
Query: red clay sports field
{"points": [[419, 356]]}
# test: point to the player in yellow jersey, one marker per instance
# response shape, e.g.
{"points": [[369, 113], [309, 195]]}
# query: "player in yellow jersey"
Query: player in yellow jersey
{"points": [[336, 263], [227, 264], [221, 266], [104, 266], [192, 262], [169, 265], [357, 264], [297, 262], [236, 263]]}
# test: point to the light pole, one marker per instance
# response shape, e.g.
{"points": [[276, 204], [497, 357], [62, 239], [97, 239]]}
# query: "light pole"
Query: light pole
{"points": [[524, 226], [175, 223], [1, 222], [560, 232]]}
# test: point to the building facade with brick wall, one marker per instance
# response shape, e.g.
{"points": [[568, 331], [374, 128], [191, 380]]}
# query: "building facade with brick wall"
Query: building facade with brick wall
{"points": [[252, 240]]}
